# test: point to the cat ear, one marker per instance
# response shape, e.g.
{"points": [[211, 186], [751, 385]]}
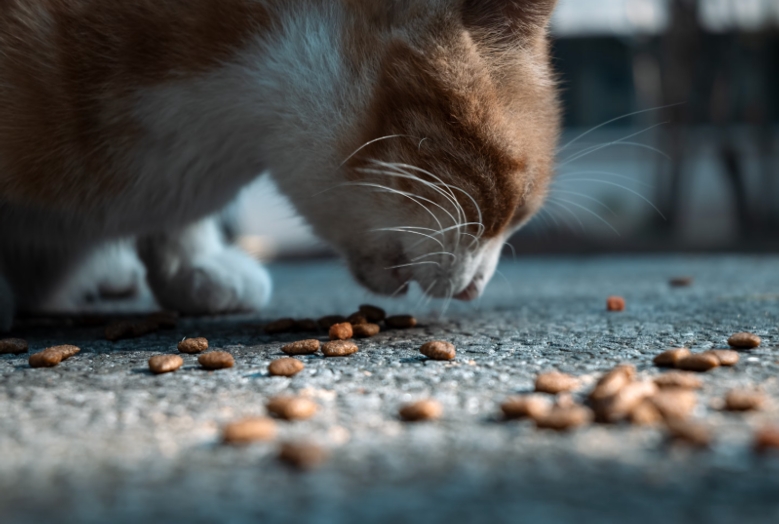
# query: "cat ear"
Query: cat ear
{"points": [[507, 20]]}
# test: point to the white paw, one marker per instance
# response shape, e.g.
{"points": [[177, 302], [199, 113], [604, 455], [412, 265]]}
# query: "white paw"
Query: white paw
{"points": [[224, 282], [6, 306]]}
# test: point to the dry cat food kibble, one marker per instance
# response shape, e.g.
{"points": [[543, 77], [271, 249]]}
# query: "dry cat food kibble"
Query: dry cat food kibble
{"points": [[438, 350], [366, 330], [339, 348], [726, 357], [13, 346], [127, 329], [400, 322], [528, 406], [767, 439], [193, 345], [282, 325], [670, 358], [681, 281], [372, 313], [357, 318], [164, 319], [52, 356], [303, 455], [744, 400], [564, 418], [285, 367], [327, 322], [342, 331], [679, 379], [249, 430], [693, 433], [700, 362], [744, 341], [292, 408], [306, 325], [302, 347], [159, 364], [619, 406], [674, 404], [421, 410], [555, 382], [615, 304], [645, 414], [216, 360], [612, 382]]}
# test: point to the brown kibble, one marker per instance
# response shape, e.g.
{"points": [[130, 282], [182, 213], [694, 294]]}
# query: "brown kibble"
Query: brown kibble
{"points": [[342, 331], [421, 410], [438, 350], [615, 304], [306, 325], [193, 345], [285, 367], [700, 362], [372, 313], [292, 408], [562, 419], [613, 381], [681, 281], [357, 318], [44, 359], [693, 433], [282, 325], [400, 322], [329, 321], [744, 400], [366, 330], [674, 404], [119, 330], [744, 341], [527, 406], [678, 379], [645, 414], [165, 363], [249, 430], [13, 346], [669, 359], [216, 360], [767, 439], [302, 347], [303, 455], [339, 348], [555, 382], [66, 351], [620, 405], [164, 319], [726, 357]]}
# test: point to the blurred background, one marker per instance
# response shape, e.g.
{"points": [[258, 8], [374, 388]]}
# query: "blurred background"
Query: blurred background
{"points": [[670, 141]]}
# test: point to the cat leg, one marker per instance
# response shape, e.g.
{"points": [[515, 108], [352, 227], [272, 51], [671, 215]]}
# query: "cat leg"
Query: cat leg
{"points": [[194, 271], [6, 306]]}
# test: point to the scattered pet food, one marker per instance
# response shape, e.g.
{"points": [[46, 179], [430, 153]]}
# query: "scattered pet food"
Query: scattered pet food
{"points": [[744, 400], [670, 358], [52, 356], [681, 281], [693, 433], [303, 456], [621, 405], [248, 430], [726, 357], [372, 313], [438, 350], [366, 330], [766, 439], [327, 322], [282, 325], [564, 418], [674, 404], [216, 360], [615, 304], [306, 325], [645, 414], [555, 382], [302, 347], [124, 329], [421, 411], [527, 406], [357, 318], [612, 382], [13, 346], [285, 367], [292, 408], [342, 331], [400, 322], [159, 364], [678, 379], [339, 348], [700, 362], [192, 346], [744, 341]]}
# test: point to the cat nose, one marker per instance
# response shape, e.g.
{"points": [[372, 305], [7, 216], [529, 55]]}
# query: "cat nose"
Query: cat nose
{"points": [[469, 293]]}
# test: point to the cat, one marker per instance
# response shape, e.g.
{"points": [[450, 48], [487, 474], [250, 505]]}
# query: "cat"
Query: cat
{"points": [[413, 136]]}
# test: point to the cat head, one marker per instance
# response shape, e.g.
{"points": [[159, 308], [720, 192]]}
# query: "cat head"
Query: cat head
{"points": [[452, 149]]}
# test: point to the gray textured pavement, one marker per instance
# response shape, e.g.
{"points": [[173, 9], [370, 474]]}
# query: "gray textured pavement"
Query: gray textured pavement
{"points": [[99, 439]]}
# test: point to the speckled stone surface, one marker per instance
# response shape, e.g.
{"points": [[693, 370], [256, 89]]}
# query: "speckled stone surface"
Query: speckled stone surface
{"points": [[99, 439]]}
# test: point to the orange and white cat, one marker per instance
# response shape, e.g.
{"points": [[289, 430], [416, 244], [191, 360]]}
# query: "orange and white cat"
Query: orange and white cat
{"points": [[413, 135]]}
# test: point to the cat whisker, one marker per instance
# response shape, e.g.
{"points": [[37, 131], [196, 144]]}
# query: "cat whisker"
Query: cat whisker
{"points": [[415, 264], [594, 149], [435, 254], [567, 176], [370, 142], [513, 251], [401, 230], [447, 299], [511, 286], [425, 294], [402, 286], [554, 201], [590, 211], [582, 195], [636, 193]]}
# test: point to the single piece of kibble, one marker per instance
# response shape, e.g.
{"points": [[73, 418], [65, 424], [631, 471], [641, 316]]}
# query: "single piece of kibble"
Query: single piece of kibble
{"points": [[726, 357], [766, 439], [357, 318], [744, 400], [292, 408], [216, 360], [13, 346], [285, 367], [339, 348], [700, 362], [744, 341], [421, 410], [438, 350], [366, 330], [65, 351], [342, 331], [119, 330], [669, 359], [282, 325], [555, 382], [619, 406], [45, 359], [693, 433], [564, 418], [306, 325], [372, 313], [400, 322], [613, 381], [245, 431], [527, 406], [674, 404], [302, 347], [645, 414], [681, 281], [330, 320], [678, 379], [303, 456], [165, 363], [193, 345], [615, 304]]}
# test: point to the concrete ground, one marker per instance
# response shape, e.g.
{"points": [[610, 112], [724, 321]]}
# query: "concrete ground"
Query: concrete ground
{"points": [[99, 439]]}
